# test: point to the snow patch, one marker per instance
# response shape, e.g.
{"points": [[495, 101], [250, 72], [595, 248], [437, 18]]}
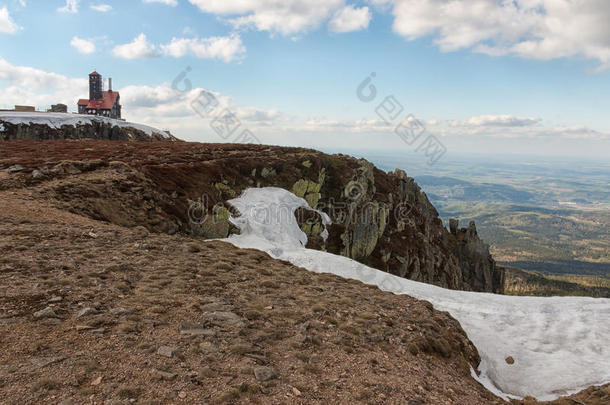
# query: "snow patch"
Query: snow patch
{"points": [[559, 344], [57, 120]]}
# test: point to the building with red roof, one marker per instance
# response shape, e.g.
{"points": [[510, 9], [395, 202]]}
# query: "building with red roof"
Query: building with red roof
{"points": [[100, 102]]}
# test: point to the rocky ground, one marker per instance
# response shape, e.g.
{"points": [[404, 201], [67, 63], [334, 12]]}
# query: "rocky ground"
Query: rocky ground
{"points": [[99, 311], [95, 313], [380, 219]]}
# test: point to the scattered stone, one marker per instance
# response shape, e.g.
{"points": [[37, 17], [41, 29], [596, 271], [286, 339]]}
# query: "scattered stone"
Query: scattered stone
{"points": [[97, 381], [265, 373], [261, 359], [166, 351], [48, 312], [222, 318], [51, 321], [99, 331], [208, 348], [37, 174], [121, 311], [55, 299], [164, 375], [16, 169], [40, 362], [86, 312], [182, 395], [296, 392], [510, 360], [193, 329]]}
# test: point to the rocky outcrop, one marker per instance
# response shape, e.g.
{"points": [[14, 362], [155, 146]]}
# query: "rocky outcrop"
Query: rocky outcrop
{"points": [[92, 130], [380, 219]]}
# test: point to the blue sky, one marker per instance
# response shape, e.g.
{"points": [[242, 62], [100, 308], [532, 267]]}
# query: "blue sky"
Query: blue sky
{"points": [[484, 76]]}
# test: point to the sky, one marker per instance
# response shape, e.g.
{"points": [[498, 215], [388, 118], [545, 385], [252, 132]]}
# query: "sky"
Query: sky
{"points": [[496, 77]]}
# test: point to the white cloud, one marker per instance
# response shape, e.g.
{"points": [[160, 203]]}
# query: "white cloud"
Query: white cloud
{"points": [[82, 45], [70, 7], [172, 3], [26, 85], [538, 29], [497, 121], [102, 8], [227, 49], [350, 19], [139, 48], [7, 25], [287, 17]]}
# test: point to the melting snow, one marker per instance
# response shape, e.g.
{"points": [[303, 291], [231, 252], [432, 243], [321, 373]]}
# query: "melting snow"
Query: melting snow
{"points": [[57, 120], [559, 344]]}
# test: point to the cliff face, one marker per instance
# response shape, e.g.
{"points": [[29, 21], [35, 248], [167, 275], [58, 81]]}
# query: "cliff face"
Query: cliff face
{"points": [[66, 127], [381, 219]]}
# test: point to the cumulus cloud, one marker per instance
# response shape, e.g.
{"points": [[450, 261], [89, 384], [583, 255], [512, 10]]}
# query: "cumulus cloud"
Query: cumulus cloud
{"points": [[83, 46], [70, 7], [27, 85], [227, 49], [139, 48], [350, 19], [538, 29], [168, 2], [102, 8], [288, 17], [7, 25]]}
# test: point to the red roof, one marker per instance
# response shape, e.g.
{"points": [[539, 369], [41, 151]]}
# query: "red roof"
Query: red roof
{"points": [[105, 103], [94, 73]]}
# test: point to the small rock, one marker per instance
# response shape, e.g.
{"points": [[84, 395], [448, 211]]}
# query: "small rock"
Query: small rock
{"points": [[208, 348], [296, 392], [264, 373], [510, 360], [99, 331], [80, 328], [164, 375], [166, 351], [215, 306], [55, 299], [182, 395], [97, 381], [120, 311], [86, 312], [40, 362], [48, 312], [51, 321], [37, 174], [224, 319], [193, 329], [16, 169]]}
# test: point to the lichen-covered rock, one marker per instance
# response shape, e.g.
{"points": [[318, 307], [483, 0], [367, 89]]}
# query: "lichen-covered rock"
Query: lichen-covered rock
{"points": [[380, 219]]}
